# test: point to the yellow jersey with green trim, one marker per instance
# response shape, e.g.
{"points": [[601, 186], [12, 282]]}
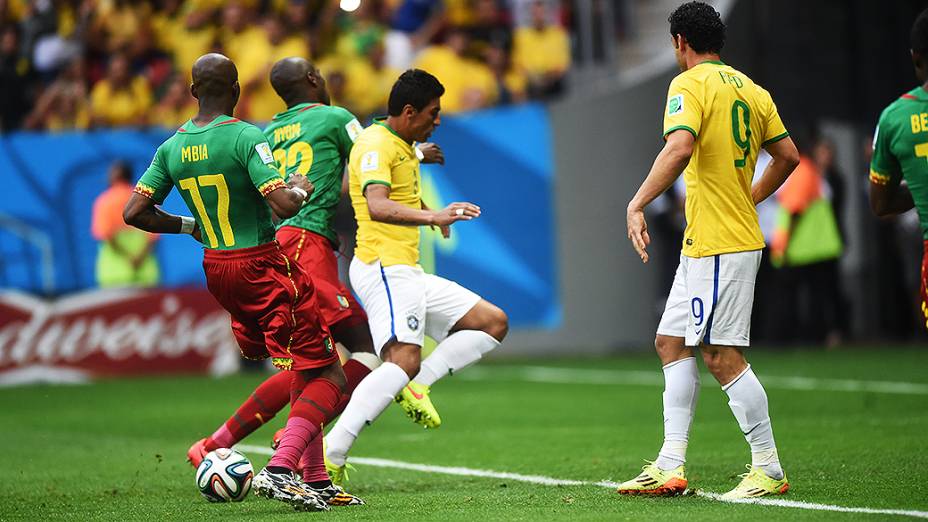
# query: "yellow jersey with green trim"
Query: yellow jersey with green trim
{"points": [[732, 118], [380, 156]]}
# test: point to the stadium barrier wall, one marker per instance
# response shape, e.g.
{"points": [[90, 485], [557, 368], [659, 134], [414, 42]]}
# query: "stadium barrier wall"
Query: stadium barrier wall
{"points": [[113, 332]]}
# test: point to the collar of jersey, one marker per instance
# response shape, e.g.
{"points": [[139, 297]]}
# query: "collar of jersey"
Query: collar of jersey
{"points": [[918, 93], [382, 121], [713, 62], [190, 128], [297, 108]]}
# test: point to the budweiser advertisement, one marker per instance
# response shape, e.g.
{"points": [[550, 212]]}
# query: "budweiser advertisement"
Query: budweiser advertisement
{"points": [[113, 332]]}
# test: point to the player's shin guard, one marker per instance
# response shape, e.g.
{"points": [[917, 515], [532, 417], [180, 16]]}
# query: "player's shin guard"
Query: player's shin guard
{"points": [[458, 351], [308, 412], [748, 401], [681, 389], [370, 398], [268, 399]]}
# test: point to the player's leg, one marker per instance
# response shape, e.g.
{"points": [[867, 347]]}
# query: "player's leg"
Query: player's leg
{"points": [[666, 475], [389, 294], [727, 334], [466, 328]]}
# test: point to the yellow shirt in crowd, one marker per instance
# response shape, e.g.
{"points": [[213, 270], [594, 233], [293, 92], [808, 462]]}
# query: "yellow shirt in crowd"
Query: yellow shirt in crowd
{"points": [[127, 106], [539, 52]]}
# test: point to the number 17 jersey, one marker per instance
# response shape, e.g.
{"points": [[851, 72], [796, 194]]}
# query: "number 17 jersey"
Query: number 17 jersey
{"points": [[732, 118], [223, 171]]}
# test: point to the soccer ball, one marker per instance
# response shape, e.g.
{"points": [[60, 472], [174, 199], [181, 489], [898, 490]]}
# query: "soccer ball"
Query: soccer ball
{"points": [[224, 475]]}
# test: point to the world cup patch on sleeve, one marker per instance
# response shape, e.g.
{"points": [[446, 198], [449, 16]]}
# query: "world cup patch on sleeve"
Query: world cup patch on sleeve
{"points": [[264, 152], [353, 128], [675, 105], [370, 161]]}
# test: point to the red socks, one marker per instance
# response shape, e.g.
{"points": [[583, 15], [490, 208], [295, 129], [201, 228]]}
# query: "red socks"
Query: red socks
{"points": [[269, 398], [313, 405], [354, 373]]}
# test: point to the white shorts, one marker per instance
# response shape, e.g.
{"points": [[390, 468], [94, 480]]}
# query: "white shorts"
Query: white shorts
{"points": [[711, 299], [403, 301]]}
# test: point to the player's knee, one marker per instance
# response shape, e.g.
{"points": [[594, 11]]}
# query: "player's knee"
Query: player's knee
{"points": [[498, 323], [406, 356]]}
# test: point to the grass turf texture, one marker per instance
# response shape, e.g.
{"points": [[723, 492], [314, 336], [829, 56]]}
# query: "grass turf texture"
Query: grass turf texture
{"points": [[115, 450]]}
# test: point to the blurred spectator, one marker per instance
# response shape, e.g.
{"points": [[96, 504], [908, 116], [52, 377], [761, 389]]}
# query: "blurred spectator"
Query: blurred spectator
{"points": [[125, 257], [542, 50], [246, 44], [510, 82], [117, 23], [369, 83], [184, 31], [15, 80], [176, 107], [469, 84], [63, 105], [413, 24], [119, 98], [807, 245], [260, 102], [490, 28], [65, 44]]}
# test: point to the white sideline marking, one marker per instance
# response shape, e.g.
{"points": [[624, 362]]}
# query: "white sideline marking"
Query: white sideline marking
{"points": [[551, 375], [551, 481]]}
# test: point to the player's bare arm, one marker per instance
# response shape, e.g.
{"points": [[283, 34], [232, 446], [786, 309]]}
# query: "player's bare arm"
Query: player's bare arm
{"points": [[667, 167], [287, 202], [890, 199], [785, 158], [142, 213], [431, 153], [385, 210]]}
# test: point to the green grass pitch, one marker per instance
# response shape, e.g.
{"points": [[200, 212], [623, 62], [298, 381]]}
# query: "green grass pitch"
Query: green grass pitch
{"points": [[115, 450]]}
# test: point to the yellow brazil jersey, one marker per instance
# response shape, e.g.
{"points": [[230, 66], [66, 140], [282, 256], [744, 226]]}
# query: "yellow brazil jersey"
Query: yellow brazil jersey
{"points": [[732, 118], [379, 155]]}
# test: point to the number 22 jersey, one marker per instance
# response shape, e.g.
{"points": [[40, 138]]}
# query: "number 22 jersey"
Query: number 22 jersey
{"points": [[223, 171], [732, 118]]}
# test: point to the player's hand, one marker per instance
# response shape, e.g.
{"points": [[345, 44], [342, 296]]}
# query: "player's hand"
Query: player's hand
{"points": [[300, 181], [196, 233], [638, 232], [453, 213], [445, 230], [432, 153]]}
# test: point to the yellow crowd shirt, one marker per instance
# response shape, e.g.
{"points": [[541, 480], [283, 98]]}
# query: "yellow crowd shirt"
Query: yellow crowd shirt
{"points": [[732, 118], [127, 106], [380, 156], [540, 52]]}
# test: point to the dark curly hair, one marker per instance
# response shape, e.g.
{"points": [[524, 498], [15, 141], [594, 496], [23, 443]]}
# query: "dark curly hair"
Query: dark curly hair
{"points": [[701, 25], [414, 87], [919, 35]]}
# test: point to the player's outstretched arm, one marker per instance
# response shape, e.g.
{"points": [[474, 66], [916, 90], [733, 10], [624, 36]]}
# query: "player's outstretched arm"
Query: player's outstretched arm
{"points": [[287, 202], [141, 212], [890, 199], [667, 167], [785, 158], [382, 208]]}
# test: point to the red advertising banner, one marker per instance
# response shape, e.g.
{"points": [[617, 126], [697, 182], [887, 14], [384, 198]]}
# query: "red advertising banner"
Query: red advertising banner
{"points": [[113, 332]]}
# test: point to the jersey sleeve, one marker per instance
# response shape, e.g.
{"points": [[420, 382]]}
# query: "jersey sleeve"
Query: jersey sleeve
{"points": [[684, 106], [374, 167], [774, 130], [255, 154], [884, 165], [347, 129], [155, 183]]}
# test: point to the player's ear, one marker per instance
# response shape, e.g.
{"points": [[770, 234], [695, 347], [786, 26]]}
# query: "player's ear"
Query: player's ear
{"points": [[409, 111], [193, 91]]}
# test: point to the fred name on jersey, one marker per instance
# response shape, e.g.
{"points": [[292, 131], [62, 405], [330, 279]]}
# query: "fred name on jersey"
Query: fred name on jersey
{"points": [[192, 153]]}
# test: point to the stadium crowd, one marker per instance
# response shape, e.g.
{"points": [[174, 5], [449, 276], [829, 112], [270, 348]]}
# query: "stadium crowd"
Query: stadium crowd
{"points": [[80, 64]]}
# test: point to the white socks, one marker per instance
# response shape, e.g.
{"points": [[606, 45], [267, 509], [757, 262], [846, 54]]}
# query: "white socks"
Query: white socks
{"points": [[681, 389], [748, 401], [458, 351], [368, 401]]}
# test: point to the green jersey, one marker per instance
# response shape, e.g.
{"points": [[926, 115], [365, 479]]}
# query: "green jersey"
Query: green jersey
{"points": [[223, 171], [900, 149], [314, 140]]}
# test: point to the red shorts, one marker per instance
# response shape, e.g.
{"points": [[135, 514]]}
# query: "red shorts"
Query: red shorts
{"points": [[314, 254], [273, 306], [924, 289]]}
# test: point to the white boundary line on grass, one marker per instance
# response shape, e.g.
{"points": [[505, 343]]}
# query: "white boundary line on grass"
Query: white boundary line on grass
{"points": [[551, 481], [552, 375]]}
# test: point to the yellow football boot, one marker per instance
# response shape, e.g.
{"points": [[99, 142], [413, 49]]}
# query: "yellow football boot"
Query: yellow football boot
{"points": [[414, 399], [756, 483], [655, 481], [338, 474]]}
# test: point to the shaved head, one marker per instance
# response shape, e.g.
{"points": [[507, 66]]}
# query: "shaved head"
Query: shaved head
{"points": [[214, 76], [296, 81]]}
